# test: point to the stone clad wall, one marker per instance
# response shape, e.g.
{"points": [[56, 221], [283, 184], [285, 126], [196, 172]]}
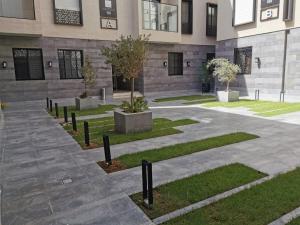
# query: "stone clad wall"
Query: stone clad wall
{"points": [[268, 78]]}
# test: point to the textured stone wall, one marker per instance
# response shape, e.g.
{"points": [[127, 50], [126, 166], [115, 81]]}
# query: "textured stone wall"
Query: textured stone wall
{"points": [[154, 78], [268, 78], [52, 86]]}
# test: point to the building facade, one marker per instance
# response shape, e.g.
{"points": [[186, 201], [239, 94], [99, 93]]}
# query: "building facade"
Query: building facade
{"points": [[263, 37], [44, 43]]}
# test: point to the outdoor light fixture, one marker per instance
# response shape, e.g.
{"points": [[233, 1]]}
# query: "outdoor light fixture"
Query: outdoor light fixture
{"points": [[165, 63], [188, 64], [50, 64], [258, 61], [4, 64]]}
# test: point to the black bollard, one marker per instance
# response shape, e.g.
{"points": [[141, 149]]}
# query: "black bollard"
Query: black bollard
{"points": [[86, 133], [56, 110], [51, 106], [66, 114], [74, 122], [144, 177], [107, 149], [47, 101], [150, 185]]}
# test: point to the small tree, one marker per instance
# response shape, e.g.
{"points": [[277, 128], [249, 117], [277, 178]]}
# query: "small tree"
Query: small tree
{"points": [[128, 56], [89, 76], [224, 70]]}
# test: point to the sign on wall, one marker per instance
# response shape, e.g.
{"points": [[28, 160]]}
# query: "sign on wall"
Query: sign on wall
{"points": [[269, 9], [108, 14], [244, 12]]}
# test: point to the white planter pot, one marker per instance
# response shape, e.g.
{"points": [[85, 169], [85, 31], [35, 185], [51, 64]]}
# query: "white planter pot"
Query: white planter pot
{"points": [[126, 123], [86, 103], [228, 96]]}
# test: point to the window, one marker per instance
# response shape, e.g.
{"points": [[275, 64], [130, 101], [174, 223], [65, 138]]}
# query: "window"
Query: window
{"points": [[243, 58], [28, 64], [187, 16], [288, 13], [70, 64], [269, 3], [244, 12], [211, 19], [21, 9], [175, 63], [68, 12]]}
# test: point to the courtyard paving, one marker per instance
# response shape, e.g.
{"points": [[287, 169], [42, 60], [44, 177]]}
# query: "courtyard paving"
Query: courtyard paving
{"points": [[47, 179]]}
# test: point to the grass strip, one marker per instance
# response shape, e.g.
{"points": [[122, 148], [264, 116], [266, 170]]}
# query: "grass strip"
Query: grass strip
{"points": [[85, 112], [173, 151], [182, 193], [295, 222], [261, 108], [259, 205], [99, 127], [186, 98]]}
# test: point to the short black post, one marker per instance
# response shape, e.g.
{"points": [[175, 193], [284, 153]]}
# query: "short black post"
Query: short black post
{"points": [[56, 110], [66, 114], [282, 96], [144, 175], [86, 133], [47, 101], [51, 106], [257, 94], [74, 122], [150, 185], [107, 149]]}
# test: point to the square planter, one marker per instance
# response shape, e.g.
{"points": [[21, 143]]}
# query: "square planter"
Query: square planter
{"points": [[127, 123], [86, 103], [228, 96]]}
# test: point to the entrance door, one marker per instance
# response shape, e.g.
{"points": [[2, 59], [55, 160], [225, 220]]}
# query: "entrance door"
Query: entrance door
{"points": [[120, 84], [209, 86]]}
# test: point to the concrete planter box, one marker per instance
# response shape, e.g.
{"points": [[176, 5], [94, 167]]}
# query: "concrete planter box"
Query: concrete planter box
{"points": [[231, 96], [86, 103], [126, 123]]}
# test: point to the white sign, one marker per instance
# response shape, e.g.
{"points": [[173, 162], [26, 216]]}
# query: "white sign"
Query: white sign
{"points": [[268, 14], [108, 3], [244, 11], [109, 23]]}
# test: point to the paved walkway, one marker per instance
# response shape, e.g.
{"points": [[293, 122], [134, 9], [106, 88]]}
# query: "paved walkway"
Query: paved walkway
{"points": [[38, 159]]}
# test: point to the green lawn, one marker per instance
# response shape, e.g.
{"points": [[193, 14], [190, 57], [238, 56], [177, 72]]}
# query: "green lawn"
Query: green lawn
{"points": [[261, 108], [259, 205], [99, 127], [182, 193], [155, 155], [202, 98], [86, 112]]}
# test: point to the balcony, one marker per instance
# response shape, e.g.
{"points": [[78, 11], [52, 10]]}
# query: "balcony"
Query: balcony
{"points": [[160, 20], [160, 17], [20, 17]]}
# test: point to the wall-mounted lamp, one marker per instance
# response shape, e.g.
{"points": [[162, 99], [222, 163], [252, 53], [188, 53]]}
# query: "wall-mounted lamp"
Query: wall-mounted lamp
{"points": [[4, 64], [258, 61], [165, 63], [50, 64], [188, 64]]}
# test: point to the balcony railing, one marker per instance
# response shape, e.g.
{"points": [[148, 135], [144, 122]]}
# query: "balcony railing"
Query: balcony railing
{"points": [[160, 17], [20, 9]]}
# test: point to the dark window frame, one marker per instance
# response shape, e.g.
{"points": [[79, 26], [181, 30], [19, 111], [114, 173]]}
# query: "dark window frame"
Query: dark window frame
{"points": [[211, 31], [71, 24], [189, 28], [20, 18], [27, 62], [175, 67], [288, 10], [60, 69], [237, 51]]}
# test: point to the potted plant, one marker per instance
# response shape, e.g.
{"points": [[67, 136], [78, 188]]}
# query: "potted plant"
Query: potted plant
{"points": [[84, 101], [128, 56], [226, 72]]}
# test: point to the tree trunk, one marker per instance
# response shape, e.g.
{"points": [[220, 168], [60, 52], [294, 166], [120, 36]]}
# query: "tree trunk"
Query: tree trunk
{"points": [[132, 91], [227, 86]]}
